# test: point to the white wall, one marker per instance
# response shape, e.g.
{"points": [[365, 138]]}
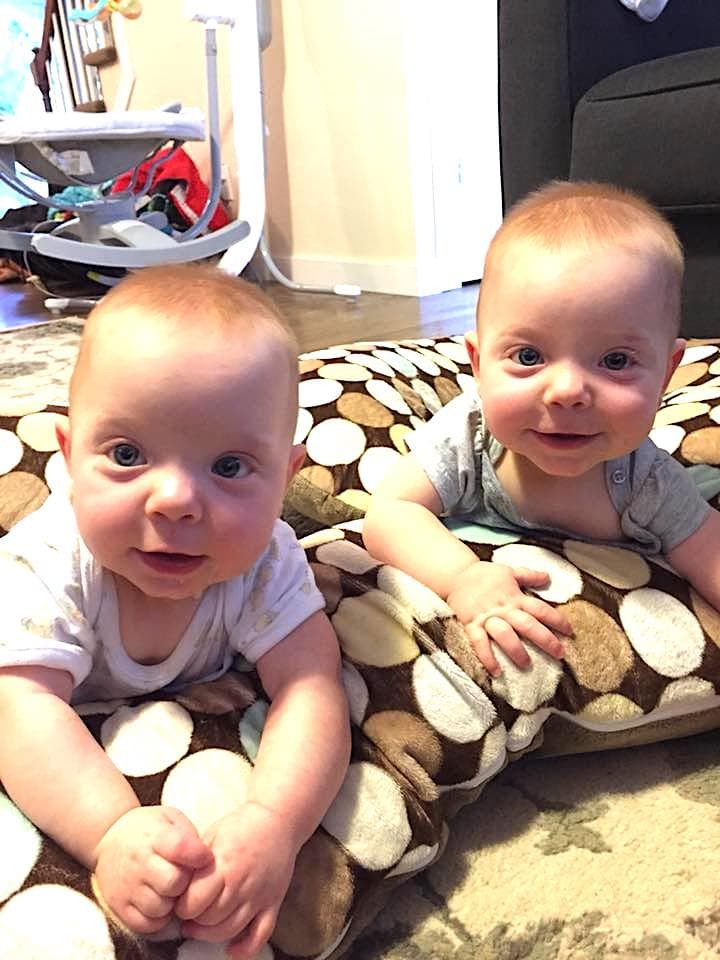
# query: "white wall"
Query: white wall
{"points": [[167, 60], [383, 147], [382, 156], [451, 66]]}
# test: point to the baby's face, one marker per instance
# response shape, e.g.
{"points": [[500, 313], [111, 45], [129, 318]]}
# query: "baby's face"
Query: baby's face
{"points": [[179, 456], [573, 353]]}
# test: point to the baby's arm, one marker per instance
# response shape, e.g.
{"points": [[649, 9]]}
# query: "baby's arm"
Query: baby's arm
{"points": [[64, 782], [402, 528], [698, 559], [301, 763]]}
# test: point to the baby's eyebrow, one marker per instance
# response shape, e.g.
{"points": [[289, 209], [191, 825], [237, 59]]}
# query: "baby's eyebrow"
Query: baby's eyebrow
{"points": [[523, 334], [256, 444], [111, 427], [633, 338]]}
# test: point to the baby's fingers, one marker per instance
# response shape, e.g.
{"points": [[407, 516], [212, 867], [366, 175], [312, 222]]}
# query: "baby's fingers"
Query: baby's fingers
{"points": [[140, 922], [203, 892], [254, 937], [503, 630], [145, 913], [552, 617], [166, 878], [483, 650], [179, 842], [230, 926], [152, 905], [525, 625], [531, 579]]}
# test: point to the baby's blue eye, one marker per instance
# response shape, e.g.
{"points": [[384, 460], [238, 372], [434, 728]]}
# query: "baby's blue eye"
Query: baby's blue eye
{"points": [[527, 356], [617, 360], [126, 455], [229, 467]]}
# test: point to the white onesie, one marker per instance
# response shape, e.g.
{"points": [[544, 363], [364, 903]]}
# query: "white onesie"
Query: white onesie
{"points": [[59, 609]]}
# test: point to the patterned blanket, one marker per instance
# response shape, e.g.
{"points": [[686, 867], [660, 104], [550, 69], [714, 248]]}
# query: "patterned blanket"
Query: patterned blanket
{"points": [[550, 861]]}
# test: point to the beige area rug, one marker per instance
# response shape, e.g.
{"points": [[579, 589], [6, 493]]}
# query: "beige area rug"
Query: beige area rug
{"points": [[36, 361], [606, 856]]}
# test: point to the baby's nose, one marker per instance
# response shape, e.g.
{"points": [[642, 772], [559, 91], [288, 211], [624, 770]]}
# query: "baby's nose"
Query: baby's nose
{"points": [[567, 385], [175, 495]]}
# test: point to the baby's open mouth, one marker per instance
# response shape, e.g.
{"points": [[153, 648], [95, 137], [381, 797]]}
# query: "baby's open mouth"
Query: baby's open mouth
{"points": [[177, 557], [166, 562], [564, 439]]}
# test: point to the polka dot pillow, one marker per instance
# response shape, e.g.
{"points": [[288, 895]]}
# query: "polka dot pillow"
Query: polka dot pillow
{"points": [[646, 647], [357, 405], [194, 750], [359, 402], [430, 728]]}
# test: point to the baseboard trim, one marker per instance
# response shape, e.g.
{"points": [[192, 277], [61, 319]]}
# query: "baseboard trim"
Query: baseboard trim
{"points": [[403, 278]]}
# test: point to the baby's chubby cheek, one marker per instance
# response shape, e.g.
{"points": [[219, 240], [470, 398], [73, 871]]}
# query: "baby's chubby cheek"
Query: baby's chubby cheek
{"points": [[503, 421]]}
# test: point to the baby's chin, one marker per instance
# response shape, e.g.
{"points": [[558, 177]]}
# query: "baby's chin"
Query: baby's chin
{"points": [[175, 595], [168, 578], [564, 467], [192, 589], [162, 587], [166, 592]]}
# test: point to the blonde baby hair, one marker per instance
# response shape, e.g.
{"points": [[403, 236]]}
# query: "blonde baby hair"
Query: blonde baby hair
{"points": [[565, 215], [192, 298]]}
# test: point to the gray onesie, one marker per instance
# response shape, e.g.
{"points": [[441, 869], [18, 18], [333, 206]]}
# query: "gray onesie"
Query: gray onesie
{"points": [[656, 499]]}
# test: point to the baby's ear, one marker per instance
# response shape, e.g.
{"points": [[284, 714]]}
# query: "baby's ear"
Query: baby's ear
{"points": [[676, 355], [295, 461], [471, 345], [62, 432]]}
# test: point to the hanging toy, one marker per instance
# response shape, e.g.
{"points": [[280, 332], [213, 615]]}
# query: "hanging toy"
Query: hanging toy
{"points": [[103, 10]]}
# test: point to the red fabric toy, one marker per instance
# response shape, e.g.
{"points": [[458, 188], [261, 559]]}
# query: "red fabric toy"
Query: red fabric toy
{"points": [[188, 194]]}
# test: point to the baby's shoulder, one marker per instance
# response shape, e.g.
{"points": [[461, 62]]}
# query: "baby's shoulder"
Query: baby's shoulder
{"points": [[651, 464], [51, 528], [456, 425], [282, 557], [275, 595], [45, 565]]}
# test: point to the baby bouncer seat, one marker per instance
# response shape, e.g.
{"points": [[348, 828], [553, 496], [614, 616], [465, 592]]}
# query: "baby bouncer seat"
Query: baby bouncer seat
{"points": [[90, 149]]}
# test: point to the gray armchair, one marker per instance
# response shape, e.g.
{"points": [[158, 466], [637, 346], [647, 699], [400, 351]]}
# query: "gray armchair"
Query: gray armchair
{"points": [[590, 91]]}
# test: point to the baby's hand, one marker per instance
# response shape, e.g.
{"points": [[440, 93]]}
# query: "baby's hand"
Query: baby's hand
{"points": [[144, 862], [239, 896], [489, 602]]}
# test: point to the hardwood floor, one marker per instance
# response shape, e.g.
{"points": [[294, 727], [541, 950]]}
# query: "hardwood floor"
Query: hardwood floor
{"points": [[20, 304], [322, 319], [318, 319]]}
